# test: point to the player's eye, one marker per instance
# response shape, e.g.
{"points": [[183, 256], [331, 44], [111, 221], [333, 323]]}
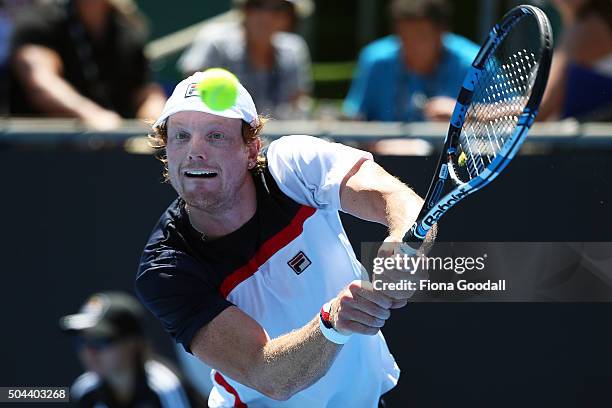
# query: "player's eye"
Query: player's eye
{"points": [[216, 136], [181, 135]]}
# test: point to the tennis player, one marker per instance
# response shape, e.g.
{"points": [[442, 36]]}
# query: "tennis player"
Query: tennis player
{"points": [[250, 268]]}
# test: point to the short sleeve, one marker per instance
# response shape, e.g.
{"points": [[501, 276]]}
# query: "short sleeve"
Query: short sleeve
{"points": [[310, 170], [171, 285]]}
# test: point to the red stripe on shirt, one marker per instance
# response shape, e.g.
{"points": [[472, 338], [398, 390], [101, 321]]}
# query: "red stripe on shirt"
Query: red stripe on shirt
{"points": [[269, 248], [221, 381]]}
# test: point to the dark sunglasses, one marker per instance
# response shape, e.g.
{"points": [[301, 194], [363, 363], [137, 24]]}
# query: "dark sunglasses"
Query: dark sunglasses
{"points": [[100, 343]]}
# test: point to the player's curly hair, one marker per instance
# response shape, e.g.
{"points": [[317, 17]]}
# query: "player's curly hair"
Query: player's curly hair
{"points": [[158, 138]]}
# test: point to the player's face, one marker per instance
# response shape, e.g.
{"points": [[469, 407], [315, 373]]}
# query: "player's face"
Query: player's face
{"points": [[208, 159], [421, 42]]}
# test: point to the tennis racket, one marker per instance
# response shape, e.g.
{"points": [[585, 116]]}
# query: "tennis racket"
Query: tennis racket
{"points": [[496, 106]]}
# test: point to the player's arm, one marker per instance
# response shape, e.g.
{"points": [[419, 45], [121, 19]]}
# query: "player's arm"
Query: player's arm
{"points": [[238, 346], [40, 71], [370, 193]]}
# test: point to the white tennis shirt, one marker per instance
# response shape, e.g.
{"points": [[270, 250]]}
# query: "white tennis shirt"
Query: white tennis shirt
{"points": [[288, 285]]}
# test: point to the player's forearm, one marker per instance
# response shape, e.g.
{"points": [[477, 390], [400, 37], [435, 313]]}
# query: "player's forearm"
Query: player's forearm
{"points": [[401, 210], [393, 204], [374, 195], [294, 361]]}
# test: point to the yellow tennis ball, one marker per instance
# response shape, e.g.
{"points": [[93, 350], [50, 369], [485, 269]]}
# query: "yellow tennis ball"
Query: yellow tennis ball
{"points": [[218, 89], [462, 161]]}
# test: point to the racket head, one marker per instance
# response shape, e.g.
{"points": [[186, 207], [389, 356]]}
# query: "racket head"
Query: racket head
{"points": [[496, 106], [501, 95]]}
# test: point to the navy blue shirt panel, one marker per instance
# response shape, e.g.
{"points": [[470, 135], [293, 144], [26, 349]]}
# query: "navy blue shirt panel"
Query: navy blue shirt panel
{"points": [[172, 285]]}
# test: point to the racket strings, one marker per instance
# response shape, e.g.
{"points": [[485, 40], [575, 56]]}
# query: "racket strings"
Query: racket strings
{"points": [[499, 99]]}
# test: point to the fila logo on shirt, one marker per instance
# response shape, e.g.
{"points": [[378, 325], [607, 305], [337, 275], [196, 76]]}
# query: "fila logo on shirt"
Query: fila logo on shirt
{"points": [[299, 263]]}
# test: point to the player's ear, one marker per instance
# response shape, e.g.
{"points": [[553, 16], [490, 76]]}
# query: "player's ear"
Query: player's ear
{"points": [[253, 148]]}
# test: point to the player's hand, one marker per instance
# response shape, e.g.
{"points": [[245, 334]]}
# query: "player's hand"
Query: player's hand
{"points": [[394, 269], [360, 309], [439, 108]]}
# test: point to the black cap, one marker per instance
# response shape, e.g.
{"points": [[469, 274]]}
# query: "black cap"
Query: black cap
{"points": [[106, 315]]}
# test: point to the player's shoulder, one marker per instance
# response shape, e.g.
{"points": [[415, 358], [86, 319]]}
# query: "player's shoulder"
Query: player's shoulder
{"points": [[84, 385], [292, 145], [304, 155], [166, 240], [460, 47], [169, 220]]}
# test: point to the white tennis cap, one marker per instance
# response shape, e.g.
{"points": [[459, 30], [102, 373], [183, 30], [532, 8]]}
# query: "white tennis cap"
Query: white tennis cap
{"points": [[187, 98]]}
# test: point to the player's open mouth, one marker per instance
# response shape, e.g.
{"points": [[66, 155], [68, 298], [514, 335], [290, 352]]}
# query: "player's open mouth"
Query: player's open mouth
{"points": [[200, 173]]}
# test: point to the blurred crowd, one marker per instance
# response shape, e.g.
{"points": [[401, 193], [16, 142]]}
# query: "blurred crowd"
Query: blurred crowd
{"points": [[85, 59], [580, 83]]}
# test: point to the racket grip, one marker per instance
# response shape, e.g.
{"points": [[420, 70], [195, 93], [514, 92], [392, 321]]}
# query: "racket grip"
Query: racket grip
{"points": [[411, 239]]}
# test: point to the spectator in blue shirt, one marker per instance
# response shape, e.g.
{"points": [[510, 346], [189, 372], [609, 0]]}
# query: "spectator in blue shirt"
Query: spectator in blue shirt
{"points": [[414, 75]]}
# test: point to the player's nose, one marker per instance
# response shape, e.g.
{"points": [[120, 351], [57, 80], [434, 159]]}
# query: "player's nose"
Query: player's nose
{"points": [[198, 149]]}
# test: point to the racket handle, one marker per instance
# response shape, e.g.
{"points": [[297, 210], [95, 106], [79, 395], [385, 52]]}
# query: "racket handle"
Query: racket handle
{"points": [[411, 239]]}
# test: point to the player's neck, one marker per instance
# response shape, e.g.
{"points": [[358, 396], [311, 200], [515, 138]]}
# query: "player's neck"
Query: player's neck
{"points": [[223, 220]]}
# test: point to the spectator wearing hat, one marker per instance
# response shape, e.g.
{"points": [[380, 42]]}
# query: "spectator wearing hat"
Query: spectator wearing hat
{"points": [[414, 75], [109, 337], [268, 58]]}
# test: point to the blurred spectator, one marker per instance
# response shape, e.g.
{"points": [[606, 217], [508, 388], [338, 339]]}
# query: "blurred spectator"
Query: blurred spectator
{"points": [[8, 11], [271, 62], [111, 345], [83, 59], [416, 74], [580, 82]]}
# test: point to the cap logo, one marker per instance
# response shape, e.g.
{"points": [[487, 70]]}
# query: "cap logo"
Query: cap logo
{"points": [[192, 90]]}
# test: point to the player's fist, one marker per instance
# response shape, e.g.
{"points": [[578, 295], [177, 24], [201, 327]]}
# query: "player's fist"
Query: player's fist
{"points": [[360, 309], [395, 273]]}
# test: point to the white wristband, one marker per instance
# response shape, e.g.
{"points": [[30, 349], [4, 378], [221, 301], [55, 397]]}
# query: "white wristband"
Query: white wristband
{"points": [[330, 333]]}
